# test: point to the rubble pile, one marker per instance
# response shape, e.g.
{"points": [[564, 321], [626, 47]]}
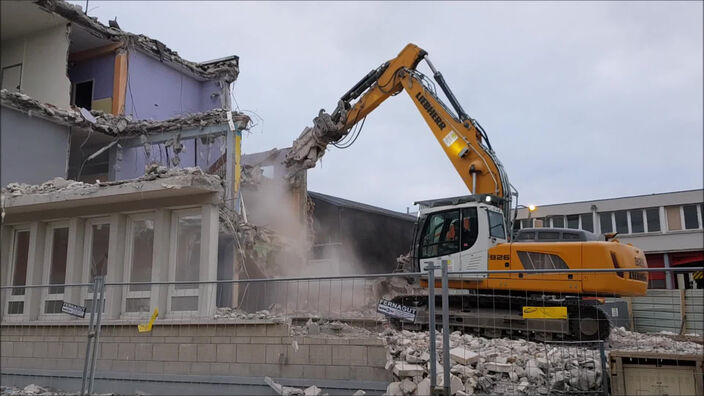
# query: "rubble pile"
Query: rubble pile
{"points": [[238, 314], [491, 366], [623, 339], [329, 328], [506, 366], [30, 389]]}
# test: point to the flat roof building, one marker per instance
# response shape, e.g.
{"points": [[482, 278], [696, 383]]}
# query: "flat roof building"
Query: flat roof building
{"points": [[667, 226]]}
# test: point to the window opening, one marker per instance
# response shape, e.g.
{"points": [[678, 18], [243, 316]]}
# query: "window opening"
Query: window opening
{"points": [[653, 217], [12, 77], [140, 253], [573, 222], [691, 220], [496, 225], [621, 221], [21, 252], [439, 236], [587, 222], [185, 260], [57, 270], [470, 226], [83, 95], [605, 222], [637, 224]]}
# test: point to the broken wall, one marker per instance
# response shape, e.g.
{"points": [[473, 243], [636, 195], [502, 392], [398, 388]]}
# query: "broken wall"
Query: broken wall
{"points": [[33, 150], [195, 152], [43, 59], [101, 71], [157, 91]]}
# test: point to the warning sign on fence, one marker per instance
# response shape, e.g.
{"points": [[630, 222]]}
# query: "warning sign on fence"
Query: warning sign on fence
{"points": [[73, 309], [398, 311]]}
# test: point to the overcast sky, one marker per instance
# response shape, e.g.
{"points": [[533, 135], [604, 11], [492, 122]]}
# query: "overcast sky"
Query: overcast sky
{"points": [[580, 100]]}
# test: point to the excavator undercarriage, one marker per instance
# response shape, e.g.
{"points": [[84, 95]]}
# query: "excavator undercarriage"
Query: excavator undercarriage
{"points": [[501, 315]]}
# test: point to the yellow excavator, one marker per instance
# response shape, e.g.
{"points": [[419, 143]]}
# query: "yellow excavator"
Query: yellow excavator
{"points": [[473, 233]]}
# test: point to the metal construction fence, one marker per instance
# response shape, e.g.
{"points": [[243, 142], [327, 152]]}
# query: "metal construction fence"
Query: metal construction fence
{"points": [[344, 332]]}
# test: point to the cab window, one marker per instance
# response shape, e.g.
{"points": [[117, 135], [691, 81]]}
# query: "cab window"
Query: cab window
{"points": [[496, 225], [469, 228], [441, 234]]}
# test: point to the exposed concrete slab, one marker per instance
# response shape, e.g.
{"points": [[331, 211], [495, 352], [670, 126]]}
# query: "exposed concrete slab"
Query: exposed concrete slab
{"points": [[64, 194]]}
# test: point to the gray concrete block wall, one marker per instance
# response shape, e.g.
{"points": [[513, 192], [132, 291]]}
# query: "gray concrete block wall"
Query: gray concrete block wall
{"points": [[262, 349]]}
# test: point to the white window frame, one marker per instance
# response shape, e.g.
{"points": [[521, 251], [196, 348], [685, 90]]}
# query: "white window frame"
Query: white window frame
{"points": [[129, 241], [699, 217], [86, 294], [11, 275], [49, 243], [173, 237]]}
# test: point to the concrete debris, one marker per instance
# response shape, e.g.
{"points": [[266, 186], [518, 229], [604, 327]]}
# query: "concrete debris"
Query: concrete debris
{"points": [[623, 339], [394, 389], [118, 126], [463, 355], [313, 391], [516, 366], [61, 185], [329, 328], [33, 389], [388, 288], [423, 388], [283, 390], [252, 176], [359, 393], [403, 369], [456, 383], [498, 367], [408, 386], [238, 314]]}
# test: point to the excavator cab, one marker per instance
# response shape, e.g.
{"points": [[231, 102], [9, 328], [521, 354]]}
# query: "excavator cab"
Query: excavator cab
{"points": [[460, 230]]}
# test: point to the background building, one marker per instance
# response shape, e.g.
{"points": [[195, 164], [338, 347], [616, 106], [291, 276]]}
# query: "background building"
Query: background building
{"points": [[667, 226]]}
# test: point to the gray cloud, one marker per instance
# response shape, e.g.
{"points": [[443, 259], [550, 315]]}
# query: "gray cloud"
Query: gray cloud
{"points": [[580, 100]]}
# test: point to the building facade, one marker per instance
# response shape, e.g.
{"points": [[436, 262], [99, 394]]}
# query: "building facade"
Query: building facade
{"points": [[55, 54], [667, 226]]}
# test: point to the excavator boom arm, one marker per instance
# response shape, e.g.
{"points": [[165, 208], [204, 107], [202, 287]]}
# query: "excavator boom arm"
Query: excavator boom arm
{"points": [[464, 142]]}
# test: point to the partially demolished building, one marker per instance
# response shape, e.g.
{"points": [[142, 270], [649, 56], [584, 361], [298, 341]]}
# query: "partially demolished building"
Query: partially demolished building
{"points": [[117, 122], [124, 181]]}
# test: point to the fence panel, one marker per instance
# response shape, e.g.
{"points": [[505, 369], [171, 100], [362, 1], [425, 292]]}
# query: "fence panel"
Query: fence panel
{"points": [[227, 336]]}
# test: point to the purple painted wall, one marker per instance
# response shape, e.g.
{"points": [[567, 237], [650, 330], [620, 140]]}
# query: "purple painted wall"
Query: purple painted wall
{"points": [[196, 153], [156, 91], [101, 70]]}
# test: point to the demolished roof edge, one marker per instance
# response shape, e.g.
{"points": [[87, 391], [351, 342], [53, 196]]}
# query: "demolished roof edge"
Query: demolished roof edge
{"points": [[226, 69]]}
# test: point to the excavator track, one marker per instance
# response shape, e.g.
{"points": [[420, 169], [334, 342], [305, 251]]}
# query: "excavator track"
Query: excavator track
{"points": [[494, 316]]}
